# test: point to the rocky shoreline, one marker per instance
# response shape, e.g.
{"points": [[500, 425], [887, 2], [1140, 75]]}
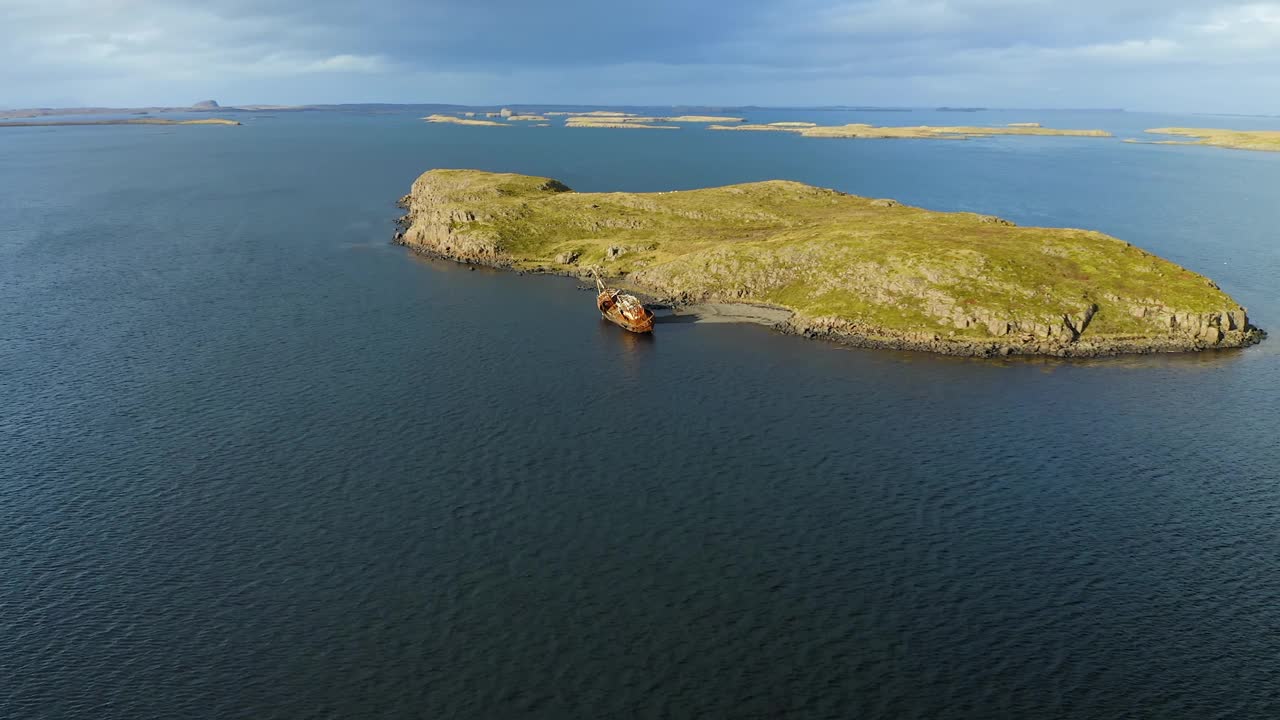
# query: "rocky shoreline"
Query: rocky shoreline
{"points": [[866, 337], [879, 338], [438, 228]]}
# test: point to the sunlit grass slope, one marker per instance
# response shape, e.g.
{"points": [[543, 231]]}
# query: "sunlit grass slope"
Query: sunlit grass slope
{"points": [[873, 265]]}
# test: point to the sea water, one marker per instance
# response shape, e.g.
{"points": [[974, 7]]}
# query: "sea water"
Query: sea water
{"points": [[255, 461]]}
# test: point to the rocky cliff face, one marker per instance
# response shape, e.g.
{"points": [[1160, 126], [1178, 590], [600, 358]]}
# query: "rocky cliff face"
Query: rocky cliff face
{"points": [[1199, 331], [867, 272], [449, 217]]}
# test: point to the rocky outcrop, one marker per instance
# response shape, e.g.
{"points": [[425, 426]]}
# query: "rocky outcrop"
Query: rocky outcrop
{"points": [[993, 220], [447, 220]]}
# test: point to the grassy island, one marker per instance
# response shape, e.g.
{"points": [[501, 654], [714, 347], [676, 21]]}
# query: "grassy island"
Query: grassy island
{"points": [[868, 272], [583, 122], [959, 132], [122, 121], [701, 119], [591, 119], [453, 120], [1266, 140], [667, 118], [594, 118]]}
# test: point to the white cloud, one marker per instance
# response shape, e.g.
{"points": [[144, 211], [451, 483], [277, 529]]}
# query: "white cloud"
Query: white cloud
{"points": [[1006, 52], [1248, 28], [284, 65]]}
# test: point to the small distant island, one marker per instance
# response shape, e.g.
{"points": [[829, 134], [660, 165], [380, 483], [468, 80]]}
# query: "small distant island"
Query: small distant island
{"points": [[868, 272], [119, 121], [862, 130], [469, 120], [619, 116], [616, 119], [580, 119], [1264, 140], [600, 119]]}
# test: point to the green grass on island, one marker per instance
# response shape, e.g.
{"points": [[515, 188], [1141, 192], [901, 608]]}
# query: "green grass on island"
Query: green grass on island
{"points": [[452, 120], [873, 268], [1266, 140]]}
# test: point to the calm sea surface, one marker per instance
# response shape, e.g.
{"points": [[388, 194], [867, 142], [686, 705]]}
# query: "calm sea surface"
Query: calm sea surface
{"points": [[256, 462]]}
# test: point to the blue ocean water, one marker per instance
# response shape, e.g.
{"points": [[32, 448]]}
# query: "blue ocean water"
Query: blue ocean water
{"points": [[257, 462]]}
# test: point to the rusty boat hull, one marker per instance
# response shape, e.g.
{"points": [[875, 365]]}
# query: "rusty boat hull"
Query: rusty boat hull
{"points": [[624, 311]]}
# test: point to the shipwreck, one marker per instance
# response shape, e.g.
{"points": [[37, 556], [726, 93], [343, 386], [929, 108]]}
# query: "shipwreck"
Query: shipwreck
{"points": [[625, 311]]}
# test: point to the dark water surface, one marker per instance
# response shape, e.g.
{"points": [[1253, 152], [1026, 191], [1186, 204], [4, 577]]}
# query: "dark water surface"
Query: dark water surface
{"points": [[256, 462]]}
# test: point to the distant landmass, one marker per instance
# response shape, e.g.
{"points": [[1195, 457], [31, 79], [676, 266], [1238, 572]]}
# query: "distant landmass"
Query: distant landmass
{"points": [[119, 121], [534, 108], [861, 130], [214, 106]]}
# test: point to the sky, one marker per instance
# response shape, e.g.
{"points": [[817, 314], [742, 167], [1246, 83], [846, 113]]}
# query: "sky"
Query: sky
{"points": [[1172, 55]]}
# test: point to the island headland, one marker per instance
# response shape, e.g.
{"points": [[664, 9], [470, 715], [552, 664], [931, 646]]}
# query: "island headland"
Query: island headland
{"points": [[868, 272], [1262, 140]]}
